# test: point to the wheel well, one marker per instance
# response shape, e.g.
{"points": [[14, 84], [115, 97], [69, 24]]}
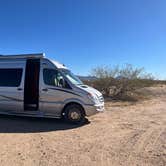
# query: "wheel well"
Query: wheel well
{"points": [[71, 104]]}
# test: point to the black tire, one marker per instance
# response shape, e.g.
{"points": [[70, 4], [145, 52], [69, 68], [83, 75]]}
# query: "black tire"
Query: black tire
{"points": [[74, 114]]}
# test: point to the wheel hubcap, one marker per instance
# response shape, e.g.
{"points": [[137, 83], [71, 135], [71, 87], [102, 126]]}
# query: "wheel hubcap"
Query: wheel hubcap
{"points": [[75, 115]]}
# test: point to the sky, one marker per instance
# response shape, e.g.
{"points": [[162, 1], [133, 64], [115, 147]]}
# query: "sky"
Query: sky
{"points": [[84, 34]]}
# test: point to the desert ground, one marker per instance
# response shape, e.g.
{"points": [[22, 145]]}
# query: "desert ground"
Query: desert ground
{"points": [[128, 134]]}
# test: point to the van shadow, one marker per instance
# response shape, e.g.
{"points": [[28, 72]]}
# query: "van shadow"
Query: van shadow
{"points": [[16, 124]]}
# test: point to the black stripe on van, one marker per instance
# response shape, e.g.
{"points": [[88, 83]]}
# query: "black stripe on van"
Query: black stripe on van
{"points": [[11, 98], [63, 90]]}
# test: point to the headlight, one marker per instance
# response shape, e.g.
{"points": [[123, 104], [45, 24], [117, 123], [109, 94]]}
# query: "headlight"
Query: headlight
{"points": [[93, 97]]}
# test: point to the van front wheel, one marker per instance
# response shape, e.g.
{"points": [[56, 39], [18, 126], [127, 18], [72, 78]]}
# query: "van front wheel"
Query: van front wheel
{"points": [[74, 113]]}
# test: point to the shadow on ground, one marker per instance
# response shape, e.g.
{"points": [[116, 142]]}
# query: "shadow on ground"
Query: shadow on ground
{"points": [[16, 124]]}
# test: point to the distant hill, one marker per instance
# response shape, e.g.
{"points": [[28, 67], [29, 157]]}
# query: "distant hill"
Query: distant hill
{"points": [[87, 78]]}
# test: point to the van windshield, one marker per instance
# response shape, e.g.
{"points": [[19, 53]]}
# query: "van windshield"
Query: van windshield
{"points": [[72, 78]]}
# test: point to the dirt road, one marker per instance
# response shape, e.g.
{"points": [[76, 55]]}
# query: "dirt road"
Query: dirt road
{"points": [[126, 134]]}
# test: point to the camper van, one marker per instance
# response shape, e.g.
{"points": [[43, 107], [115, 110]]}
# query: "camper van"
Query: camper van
{"points": [[33, 85]]}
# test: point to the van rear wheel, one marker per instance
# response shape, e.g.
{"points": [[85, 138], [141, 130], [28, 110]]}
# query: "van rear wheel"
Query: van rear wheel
{"points": [[74, 113]]}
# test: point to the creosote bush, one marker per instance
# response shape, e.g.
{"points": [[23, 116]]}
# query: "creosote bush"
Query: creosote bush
{"points": [[120, 82]]}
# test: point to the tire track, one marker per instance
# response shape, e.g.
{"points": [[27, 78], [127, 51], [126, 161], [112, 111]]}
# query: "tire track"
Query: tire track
{"points": [[145, 145]]}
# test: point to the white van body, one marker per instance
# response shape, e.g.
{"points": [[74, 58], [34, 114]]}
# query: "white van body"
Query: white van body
{"points": [[28, 87]]}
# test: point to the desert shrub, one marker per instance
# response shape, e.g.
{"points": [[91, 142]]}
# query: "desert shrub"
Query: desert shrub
{"points": [[120, 82]]}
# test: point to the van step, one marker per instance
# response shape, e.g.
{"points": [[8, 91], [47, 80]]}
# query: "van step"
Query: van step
{"points": [[32, 107]]}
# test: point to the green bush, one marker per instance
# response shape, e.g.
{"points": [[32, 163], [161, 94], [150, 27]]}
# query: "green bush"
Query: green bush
{"points": [[120, 83]]}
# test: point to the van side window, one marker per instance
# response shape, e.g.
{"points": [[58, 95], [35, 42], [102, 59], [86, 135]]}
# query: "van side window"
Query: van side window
{"points": [[53, 77], [10, 77]]}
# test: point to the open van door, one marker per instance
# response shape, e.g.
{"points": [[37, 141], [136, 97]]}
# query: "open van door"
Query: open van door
{"points": [[31, 86]]}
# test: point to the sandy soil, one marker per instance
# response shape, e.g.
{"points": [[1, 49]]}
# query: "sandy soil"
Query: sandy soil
{"points": [[125, 134]]}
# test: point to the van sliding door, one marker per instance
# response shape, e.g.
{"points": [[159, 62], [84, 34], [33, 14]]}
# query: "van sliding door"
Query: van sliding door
{"points": [[11, 87], [31, 86]]}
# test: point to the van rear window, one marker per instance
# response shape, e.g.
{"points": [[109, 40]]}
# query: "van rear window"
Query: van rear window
{"points": [[10, 77]]}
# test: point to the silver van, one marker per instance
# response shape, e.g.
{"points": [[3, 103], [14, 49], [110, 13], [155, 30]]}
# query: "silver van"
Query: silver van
{"points": [[32, 85]]}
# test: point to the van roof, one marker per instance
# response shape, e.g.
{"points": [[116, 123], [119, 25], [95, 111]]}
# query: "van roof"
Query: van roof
{"points": [[58, 65], [36, 55]]}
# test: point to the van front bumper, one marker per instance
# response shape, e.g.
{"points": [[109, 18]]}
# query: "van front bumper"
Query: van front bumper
{"points": [[94, 109]]}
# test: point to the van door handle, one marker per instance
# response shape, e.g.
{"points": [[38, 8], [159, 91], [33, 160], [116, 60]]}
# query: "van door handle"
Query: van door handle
{"points": [[19, 89], [45, 90]]}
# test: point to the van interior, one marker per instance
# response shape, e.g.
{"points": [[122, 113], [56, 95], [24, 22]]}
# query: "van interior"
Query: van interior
{"points": [[31, 87]]}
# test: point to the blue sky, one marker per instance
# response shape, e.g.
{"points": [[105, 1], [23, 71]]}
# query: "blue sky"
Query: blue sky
{"points": [[86, 33]]}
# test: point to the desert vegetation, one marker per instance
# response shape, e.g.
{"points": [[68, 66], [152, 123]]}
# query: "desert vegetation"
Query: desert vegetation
{"points": [[122, 83]]}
